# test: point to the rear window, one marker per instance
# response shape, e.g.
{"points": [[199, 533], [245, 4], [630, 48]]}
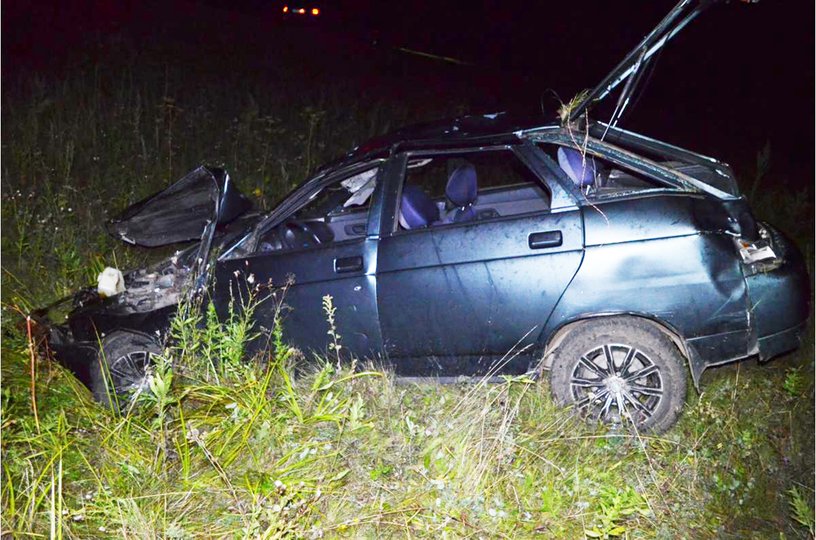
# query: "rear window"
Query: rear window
{"points": [[699, 167], [597, 177], [707, 175]]}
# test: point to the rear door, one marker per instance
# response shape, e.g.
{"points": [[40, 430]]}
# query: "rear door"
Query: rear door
{"points": [[454, 297]]}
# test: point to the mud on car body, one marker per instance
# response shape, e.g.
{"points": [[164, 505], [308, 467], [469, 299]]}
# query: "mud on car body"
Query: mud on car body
{"points": [[615, 261]]}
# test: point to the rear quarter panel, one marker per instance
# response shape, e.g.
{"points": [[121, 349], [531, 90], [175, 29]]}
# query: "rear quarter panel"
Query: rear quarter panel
{"points": [[667, 257]]}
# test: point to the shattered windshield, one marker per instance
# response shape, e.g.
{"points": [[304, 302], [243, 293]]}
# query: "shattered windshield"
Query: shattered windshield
{"points": [[337, 211], [342, 197]]}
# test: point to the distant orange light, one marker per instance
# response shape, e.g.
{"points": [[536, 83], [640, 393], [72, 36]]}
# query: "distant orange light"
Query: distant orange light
{"points": [[301, 11], [286, 9], [315, 11]]}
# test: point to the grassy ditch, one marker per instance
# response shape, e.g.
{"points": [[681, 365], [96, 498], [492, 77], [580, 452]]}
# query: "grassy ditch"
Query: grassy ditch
{"points": [[244, 450]]}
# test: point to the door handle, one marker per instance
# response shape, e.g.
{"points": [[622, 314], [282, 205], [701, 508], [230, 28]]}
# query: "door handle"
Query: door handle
{"points": [[542, 240], [348, 264]]}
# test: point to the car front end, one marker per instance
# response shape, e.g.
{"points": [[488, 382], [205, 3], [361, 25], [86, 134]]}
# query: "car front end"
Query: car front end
{"points": [[205, 206], [70, 329]]}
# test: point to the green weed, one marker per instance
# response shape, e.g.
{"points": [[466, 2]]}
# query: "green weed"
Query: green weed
{"points": [[802, 509]]}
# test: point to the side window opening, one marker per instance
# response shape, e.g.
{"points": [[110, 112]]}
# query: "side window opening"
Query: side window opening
{"points": [[468, 186], [701, 168], [335, 213], [598, 177]]}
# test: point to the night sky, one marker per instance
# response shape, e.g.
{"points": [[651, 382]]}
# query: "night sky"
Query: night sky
{"points": [[738, 76]]}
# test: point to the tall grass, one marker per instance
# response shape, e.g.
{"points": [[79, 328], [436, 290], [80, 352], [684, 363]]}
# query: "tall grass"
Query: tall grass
{"points": [[227, 448], [351, 453]]}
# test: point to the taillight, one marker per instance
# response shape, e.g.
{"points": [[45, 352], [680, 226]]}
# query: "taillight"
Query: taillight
{"points": [[757, 251]]}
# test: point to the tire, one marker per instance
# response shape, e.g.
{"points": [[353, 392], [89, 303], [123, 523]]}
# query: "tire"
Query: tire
{"points": [[122, 368], [580, 377]]}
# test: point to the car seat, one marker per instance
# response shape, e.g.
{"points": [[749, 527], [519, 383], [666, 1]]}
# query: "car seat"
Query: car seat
{"points": [[462, 190], [581, 168], [417, 210]]}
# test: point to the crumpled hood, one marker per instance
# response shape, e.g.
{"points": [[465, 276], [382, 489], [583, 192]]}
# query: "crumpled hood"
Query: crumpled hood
{"points": [[181, 212]]}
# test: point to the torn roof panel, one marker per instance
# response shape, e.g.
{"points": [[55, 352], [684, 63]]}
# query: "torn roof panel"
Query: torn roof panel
{"points": [[479, 126]]}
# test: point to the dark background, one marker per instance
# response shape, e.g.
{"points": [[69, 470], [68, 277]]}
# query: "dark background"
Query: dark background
{"points": [[739, 76]]}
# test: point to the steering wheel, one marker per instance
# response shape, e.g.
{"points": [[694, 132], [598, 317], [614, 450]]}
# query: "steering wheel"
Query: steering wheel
{"points": [[298, 235]]}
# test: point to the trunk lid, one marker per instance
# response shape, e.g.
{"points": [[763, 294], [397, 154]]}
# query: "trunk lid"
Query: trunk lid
{"points": [[634, 63]]}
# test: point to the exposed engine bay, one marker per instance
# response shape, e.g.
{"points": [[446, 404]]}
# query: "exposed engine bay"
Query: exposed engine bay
{"points": [[147, 290]]}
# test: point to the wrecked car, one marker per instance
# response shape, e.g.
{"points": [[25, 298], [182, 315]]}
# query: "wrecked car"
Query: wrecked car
{"points": [[482, 246]]}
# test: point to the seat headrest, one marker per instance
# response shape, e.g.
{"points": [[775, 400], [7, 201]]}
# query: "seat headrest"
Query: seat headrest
{"points": [[579, 167], [462, 188], [417, 209]]}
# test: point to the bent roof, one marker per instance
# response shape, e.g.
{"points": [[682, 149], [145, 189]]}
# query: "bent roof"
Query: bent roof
{"points": [[485, 126]]}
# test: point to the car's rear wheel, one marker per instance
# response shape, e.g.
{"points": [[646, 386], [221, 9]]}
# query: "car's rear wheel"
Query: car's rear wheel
{"points": [[123, 367], [620, 371]]}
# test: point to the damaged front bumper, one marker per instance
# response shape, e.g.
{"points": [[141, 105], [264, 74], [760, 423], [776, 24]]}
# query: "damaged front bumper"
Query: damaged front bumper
{"points": [[57, 342], [72, 329]]}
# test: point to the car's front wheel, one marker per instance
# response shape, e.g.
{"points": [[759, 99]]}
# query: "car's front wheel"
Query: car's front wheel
{"points": [[620, 371], [122, 368]]}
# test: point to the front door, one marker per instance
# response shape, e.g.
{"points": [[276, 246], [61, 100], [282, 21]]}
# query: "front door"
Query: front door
{"points": [[320, 258]]}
